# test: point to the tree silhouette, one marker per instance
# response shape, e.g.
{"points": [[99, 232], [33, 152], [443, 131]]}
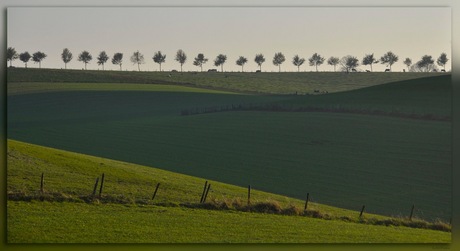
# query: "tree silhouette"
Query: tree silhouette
{"points": [[316, 60], [37, 57], [389, 59], [241, 61], [369, 60], [85, 57], [11, 55], [259, 59], [408, 63], [181, 57], [220, 60], [442, 60], [349, 63], [25, 57], [159, 58], [66, 56], [297, 61], [334, 61], [426, 64], [117, 59], [278, 59], [200, 60], [137, 58], [102, 59]]}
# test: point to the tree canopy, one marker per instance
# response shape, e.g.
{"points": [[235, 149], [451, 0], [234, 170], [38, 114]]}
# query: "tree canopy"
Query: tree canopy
{"points": [[200, 60], [11, 55], [159, 58], [442, 60], [137, 58], [66, 57], [389, 59], [334, 61], [349, 63], [316, 60], [181, 57], [117, 59], [259, 59], [37, 57], [25, 57], [297, 61], [85, 57], [241, 61], [278, 59], [102, 59], [369, 60], [220, 61]]}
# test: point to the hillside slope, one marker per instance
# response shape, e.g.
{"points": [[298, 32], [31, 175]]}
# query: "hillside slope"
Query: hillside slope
{"points": [[125, 213]]}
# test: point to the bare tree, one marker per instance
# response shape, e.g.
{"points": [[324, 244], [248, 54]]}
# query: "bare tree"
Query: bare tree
{"points": [[297, 61], [117, 59], [66, 57], [389, 59], [426, 64], [334, 61], [181, 57], [369, 60], [102, 59], [137, 58], [85, 57], [25, 57], [241, 61], [316, 60], [278, 59], [259, 59], [159, 58]]}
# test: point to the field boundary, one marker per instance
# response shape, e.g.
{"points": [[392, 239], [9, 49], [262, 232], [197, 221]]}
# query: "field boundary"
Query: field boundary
{"points": [[287, 108]]}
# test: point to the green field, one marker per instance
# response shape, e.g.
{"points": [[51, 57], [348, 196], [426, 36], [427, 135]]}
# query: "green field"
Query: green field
{"points": [[124, 212], [383, 145]]}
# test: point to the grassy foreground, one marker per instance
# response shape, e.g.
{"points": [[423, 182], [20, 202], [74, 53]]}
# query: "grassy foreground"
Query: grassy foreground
{"points": [[126, 214]]}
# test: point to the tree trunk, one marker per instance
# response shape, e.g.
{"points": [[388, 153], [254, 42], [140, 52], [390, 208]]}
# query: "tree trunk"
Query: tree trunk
{"points": [[316, 67], [39, 65], [222, 67], [26, 65], [201, 66], [334, 68], [102, 66], [180, 67], [160, 67], [298, 68], [371, 67], [242, 70], [138, 66], [120, 67], [65, 66], [85, 66], [279, 68]]}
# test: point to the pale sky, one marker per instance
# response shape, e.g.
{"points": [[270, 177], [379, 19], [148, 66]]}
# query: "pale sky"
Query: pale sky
{"points": [[233, 31]]}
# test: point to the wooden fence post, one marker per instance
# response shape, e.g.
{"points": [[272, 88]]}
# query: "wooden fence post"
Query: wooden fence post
{"points": [[156, 189], [95, 186], [411, 212], [249, 195], [362, 210], [204, 191], [42, 183], [306, 202], [206, 195], [102, 185]]}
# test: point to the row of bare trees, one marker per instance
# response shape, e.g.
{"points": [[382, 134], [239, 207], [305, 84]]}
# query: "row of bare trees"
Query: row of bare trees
{"points": [[346, 63]]}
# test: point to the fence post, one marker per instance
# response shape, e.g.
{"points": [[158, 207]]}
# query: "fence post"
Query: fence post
{"points": [[204, 191], [95, 186], [306, 202], [102, 185], [249, 195], [362, 210], [42, 183], [156, 189], [411, 212], [206, 195]]}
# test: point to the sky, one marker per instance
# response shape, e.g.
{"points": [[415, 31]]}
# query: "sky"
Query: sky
{"points": [[232, 31]]}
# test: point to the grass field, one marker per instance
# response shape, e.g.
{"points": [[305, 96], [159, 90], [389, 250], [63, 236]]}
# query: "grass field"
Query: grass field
{"points": [[264, 82], [124, 213], [346, 160]]}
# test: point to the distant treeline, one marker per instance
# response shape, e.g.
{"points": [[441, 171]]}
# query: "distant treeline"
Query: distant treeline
{"points": [[347, 63]]}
